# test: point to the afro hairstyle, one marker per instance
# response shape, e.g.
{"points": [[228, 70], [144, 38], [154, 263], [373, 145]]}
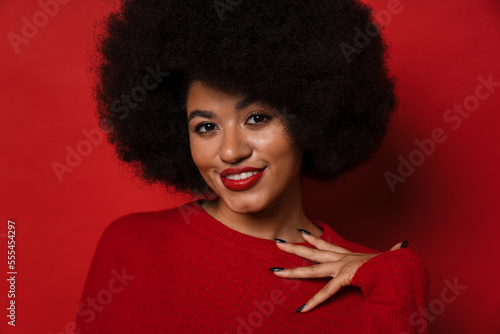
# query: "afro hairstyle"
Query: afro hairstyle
{"points": [[321, 63]]}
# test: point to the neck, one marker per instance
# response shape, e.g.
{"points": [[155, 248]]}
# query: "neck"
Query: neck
{"points": [[280, 220]]}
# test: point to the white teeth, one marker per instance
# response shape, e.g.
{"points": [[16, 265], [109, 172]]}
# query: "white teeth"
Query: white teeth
{"points": [[241, 176]]}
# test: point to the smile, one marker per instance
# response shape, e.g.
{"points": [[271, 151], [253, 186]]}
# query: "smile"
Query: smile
{"points": [[241, 181], [241, 176]]}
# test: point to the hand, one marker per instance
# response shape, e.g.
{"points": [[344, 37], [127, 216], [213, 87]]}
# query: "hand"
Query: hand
{"points": [[333, 261]]}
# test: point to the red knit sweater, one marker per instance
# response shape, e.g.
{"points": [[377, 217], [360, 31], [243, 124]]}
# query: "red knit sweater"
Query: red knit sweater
{"points": [[182, 271]]}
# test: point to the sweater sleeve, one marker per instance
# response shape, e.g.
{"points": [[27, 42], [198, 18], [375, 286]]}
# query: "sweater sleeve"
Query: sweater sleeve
{"points": [[394, 285]]}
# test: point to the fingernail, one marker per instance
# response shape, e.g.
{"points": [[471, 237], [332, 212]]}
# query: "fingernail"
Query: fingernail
{"points": [[300, 308], [281, 241], [304, 231], [276, 269], [404, 244]]}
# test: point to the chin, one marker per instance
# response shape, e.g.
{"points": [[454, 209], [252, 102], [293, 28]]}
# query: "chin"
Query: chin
{"points": [[243, 205]]}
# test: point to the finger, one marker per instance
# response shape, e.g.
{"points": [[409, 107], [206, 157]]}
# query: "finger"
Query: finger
{"points": [[396, 246], [311, 254], [400, 245], [314, 271], [322, 244], [328, 290]]}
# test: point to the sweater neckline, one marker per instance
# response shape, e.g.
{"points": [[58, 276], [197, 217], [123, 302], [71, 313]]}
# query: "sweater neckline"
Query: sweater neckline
{"points": [[200, 220]]}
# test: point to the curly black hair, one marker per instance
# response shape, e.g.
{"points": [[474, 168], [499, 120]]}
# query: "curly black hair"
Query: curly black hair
{"points": [[321, 63]]}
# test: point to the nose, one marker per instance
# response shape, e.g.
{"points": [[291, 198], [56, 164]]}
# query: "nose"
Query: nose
{"points": [[235, 145]]}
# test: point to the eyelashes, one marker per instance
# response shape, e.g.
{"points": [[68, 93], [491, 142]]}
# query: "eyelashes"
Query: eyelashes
{"points": [[264, 118]]}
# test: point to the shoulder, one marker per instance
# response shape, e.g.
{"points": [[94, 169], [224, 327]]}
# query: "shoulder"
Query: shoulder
{"points": [[145, 226], [140, 236], [399, 271], [134, 223], [405, 267], [404, 260]]}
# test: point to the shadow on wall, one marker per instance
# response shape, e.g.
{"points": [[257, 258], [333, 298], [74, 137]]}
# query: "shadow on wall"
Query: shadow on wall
{"points": [[377, 198]]}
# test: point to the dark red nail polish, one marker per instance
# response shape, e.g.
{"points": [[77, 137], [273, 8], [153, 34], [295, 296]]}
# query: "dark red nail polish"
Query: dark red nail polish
{"points": [[404, 244]]}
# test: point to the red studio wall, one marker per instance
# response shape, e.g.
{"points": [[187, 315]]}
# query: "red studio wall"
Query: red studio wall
{"points": [[434, 181]]}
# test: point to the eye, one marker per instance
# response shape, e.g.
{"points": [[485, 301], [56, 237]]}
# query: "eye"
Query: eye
{"points": [[259, 118], [208, 127]]}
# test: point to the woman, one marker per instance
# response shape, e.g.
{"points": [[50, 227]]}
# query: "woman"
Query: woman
{"points": [[236, 102]]}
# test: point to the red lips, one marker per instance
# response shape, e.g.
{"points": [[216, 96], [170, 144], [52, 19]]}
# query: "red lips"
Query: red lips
{"points": [[238, 185]]}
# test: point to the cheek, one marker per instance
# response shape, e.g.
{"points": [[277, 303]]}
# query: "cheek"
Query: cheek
{"points": [[200, 154], [282, 146], [281, 153], [196, 153]]}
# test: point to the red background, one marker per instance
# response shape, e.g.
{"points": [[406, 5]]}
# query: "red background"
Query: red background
{"points": [[447, 208]]}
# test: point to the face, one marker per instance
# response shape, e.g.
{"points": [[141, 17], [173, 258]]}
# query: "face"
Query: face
{"points": [[228, 133]]}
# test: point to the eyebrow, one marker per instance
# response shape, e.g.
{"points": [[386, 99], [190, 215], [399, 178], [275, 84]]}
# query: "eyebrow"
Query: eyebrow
{"points": [[210, 114]]}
